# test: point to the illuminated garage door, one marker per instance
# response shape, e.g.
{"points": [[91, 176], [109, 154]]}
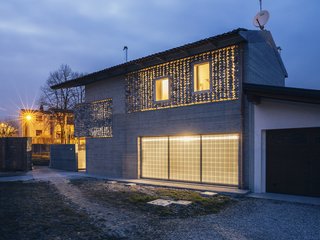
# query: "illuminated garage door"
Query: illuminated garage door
{"points": [[200, 158]]}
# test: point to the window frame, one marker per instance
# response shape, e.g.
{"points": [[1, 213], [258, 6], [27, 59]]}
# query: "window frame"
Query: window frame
{"points": [[210, 76], [155, 89], [39, 118], [37, 132]]}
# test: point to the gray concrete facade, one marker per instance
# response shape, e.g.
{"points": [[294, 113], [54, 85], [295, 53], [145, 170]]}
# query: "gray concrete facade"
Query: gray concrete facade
{"points": [[117, 157]]}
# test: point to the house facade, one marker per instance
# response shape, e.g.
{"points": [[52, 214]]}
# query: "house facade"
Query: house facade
{"points": [[47, 127], [184, 114]]}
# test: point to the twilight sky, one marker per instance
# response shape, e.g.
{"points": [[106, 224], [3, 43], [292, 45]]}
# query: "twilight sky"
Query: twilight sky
{"points": [[37, 36]]}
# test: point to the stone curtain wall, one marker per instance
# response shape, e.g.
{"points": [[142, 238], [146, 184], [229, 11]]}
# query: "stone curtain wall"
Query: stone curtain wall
{"points": [[224, 81], [93, 119]]}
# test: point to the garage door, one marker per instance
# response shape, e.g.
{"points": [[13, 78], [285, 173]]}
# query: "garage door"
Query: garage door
{"points": [[293, 161], [199, 158]]}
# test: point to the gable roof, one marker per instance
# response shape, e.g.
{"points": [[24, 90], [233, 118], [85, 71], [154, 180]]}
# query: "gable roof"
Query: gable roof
{"points": [[256, 91], [207, 44]]}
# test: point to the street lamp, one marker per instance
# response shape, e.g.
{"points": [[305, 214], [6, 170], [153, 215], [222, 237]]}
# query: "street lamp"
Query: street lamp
{"points": [[28, 119]]}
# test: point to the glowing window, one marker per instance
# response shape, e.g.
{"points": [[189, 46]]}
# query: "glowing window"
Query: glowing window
{"points": [[155, 157], [185, 158], [162, 89], [198, 158], [220, 158], [201, 77], [38, 118], [38, 133]]}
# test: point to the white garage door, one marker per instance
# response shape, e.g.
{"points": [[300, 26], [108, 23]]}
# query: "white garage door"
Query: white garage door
{"points": [[198, 158]]}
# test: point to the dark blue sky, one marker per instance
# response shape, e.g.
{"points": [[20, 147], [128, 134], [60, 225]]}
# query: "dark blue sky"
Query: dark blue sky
{"points": [[37, 36]]}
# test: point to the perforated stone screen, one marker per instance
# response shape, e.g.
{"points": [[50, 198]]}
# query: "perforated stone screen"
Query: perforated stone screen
{"points": [[93, 119]]}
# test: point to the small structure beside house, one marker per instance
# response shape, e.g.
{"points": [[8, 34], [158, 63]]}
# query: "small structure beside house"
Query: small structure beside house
{"points": [[215, 111]]}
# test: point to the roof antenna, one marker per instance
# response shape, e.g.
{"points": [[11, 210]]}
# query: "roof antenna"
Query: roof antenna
{"points": [[260, 5], [261, 18], [125, 48]]}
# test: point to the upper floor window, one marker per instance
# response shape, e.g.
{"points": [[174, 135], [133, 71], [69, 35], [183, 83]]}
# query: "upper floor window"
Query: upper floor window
{"points": [[162, 89], [38, 118], [38, 133], [70, 120], [201, 77]]}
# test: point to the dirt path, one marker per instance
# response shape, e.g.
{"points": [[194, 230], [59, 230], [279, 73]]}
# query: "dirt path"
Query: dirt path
{"points": [[115, 222]]}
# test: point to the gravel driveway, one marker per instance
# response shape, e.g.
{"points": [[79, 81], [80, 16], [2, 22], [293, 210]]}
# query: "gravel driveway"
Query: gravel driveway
{"points": [[248, 218]]}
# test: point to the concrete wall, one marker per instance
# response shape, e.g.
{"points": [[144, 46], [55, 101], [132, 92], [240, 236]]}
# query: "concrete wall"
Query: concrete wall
{"points": [[221, 117], [63, 157], [106, 155], [15, 154], [271, 114], [262, 62], [118, 156]]}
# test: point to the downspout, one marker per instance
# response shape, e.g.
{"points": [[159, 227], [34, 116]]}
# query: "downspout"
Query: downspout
{"points": [[242, 119]]}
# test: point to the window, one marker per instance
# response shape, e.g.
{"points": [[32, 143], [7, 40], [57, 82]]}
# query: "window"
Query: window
{"points": [[162, 89], [38, 118], [198, 158], [58, 135], [38, 132], [201, 77], [70, 120]]}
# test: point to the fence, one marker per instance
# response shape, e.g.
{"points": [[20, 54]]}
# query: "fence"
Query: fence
{"points": [[40, 154], [15, 154], [63, 157]]}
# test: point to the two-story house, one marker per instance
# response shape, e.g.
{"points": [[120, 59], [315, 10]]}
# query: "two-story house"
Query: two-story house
{"points": [[205, 112]]}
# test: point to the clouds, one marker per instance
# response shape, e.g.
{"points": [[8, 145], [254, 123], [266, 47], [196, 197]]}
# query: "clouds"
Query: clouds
{"points": [[38, 36]]}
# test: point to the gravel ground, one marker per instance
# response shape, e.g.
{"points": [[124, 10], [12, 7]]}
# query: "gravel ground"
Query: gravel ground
{"points": [[35, 210], [251, 219], [89, 218], [246, 218]]}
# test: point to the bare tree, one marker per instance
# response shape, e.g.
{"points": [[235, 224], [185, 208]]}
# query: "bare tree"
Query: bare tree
{"points": [[8, 128], [61, 101]]}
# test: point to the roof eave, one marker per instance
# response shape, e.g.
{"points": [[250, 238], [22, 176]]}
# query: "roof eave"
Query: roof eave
{"points": [[255, 92]]}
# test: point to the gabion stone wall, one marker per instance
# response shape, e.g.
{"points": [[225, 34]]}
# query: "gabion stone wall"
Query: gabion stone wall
{"points": [[224, 81], [93, 119]]}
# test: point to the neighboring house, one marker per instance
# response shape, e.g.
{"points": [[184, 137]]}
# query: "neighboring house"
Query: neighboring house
{"points": [[205, 112], [45, 127]]}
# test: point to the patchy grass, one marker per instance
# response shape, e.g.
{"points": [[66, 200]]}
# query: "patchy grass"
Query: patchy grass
{"points": [[35, 210], [135, 198]]}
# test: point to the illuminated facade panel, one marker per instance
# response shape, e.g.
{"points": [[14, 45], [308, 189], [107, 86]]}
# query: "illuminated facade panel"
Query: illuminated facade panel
{"points": [[93, 119], [155, 157], [184, 158], [201, 158], [220, 159], [224, 75]]}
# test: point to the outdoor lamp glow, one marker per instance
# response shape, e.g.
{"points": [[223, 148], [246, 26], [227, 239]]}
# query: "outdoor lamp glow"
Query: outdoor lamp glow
{"points": [[28, 117]]}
